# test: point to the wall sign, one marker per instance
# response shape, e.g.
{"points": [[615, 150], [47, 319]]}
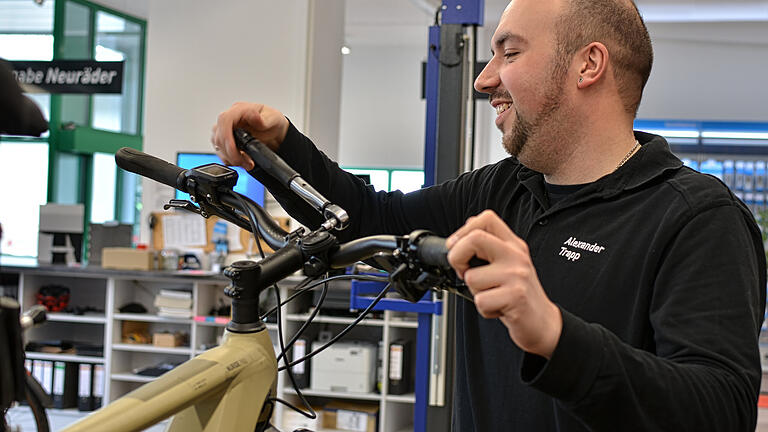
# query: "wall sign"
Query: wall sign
{"points": [[70, 76]]}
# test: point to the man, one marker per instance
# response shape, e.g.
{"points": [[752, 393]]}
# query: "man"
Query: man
{"points": [[623, 291]]}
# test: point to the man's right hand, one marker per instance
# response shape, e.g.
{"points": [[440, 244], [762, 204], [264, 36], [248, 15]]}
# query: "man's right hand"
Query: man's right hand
{"points": [[265, 124]]}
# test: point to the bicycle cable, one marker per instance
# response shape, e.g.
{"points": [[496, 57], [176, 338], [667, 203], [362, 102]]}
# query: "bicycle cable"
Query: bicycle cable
{"points": [[344, 331], [306, 324], [311, 412], [303, 287], [322, 299], [289, 365]]}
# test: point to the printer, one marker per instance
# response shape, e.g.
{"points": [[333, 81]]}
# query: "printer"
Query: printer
{"points": [[344, 367]]}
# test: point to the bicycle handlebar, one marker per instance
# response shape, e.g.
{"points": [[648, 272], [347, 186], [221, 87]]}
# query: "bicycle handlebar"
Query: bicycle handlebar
{"points": [[417, 261], [151, 167], [264, 157], [274, 235], [168, 174]]}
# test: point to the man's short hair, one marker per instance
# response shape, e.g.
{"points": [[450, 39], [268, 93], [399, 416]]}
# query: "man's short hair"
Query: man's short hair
{"points": [[618, 25]]}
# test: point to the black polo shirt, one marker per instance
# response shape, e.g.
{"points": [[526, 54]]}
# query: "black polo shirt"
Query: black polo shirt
{"points": [[659, 272]]}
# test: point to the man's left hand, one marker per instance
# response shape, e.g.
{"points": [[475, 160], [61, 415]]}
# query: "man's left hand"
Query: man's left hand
{"points": [[507, 287]]}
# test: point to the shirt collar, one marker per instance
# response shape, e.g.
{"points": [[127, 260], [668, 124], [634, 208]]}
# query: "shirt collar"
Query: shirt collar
{"points": [[652, 160]]}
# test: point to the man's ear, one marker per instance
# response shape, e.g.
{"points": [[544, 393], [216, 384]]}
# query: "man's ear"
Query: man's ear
{"points": [[593, 62]]}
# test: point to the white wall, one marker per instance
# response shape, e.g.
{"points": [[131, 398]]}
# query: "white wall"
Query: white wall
{"points": [[708, 71], [135, 8], [202, 57], [324, 71], [382, 113]]}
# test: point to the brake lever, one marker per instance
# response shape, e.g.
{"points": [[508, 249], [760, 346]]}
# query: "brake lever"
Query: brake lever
{"points": [[183, 205]]}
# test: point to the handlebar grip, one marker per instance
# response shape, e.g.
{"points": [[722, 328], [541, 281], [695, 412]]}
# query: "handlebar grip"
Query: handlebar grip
{"points": [[264, 157], [149, 166], [432, 251]]}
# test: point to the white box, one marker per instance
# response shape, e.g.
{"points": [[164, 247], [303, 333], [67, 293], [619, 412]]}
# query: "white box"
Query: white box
{"points": [[344, 367]]}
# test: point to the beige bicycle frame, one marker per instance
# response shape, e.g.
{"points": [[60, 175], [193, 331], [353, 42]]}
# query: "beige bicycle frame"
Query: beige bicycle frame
{"points": [[222, 389]]}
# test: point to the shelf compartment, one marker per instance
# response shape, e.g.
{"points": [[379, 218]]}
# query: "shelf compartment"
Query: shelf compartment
{"points": [[222, 322], [63, 357], [130, 377], [335, 320], [65, 317], [151, 318], [405, 398], [403, 323], [211, 320], [340, 395], [151, 349]]}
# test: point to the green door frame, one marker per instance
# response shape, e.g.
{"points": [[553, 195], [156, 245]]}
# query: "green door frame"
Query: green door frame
{"points": [[83, 141]]}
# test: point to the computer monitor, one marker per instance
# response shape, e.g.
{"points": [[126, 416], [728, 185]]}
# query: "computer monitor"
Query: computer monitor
{"points": [[246, 184]]}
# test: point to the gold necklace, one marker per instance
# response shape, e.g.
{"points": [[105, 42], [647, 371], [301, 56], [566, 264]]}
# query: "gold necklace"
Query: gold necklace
{"points": [[628, 155]]}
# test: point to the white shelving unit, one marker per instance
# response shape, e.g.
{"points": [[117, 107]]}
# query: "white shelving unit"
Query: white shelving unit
{"points": [[395, 412], [108, 290]]}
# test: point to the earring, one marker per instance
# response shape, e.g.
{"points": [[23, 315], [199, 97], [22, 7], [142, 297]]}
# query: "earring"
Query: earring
{"points": [[581, 79]]}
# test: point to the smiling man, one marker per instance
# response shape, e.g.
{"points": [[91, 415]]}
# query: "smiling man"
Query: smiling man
{"points": [[624, 291]]}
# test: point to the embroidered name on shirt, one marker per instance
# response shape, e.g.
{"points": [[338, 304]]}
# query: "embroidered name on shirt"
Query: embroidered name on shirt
{"points": [[575, 243]]}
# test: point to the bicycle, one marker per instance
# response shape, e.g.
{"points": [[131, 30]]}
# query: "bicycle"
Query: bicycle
{"points": [[232, 387]]}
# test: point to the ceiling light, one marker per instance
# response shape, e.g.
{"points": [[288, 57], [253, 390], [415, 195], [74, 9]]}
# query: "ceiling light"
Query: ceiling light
{"points": [[671, 133], [735, 135]]}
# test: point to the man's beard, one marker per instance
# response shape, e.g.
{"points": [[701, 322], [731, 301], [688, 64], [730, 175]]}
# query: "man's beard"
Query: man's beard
{"points": [[517, 141]]}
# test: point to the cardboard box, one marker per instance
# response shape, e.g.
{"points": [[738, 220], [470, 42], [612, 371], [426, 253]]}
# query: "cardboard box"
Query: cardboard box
{"points": [[348, 416], [123, 258], [135, 332], [169, 340]]}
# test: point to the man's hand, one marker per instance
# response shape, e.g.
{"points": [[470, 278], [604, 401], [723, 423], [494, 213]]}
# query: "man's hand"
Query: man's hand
{"points": [[265, 124], [508, 287]]}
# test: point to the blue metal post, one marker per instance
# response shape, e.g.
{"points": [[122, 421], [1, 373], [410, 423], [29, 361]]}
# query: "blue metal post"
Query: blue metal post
{"points": [[431, 87], [421, 386], [440, 164]]}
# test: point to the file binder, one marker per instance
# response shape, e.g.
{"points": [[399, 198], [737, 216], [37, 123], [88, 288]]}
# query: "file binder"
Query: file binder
{"points": [[84, 387], [47, 381], [38, 372], [98, 385], [64, 385], [301, 370], [400, 367]]}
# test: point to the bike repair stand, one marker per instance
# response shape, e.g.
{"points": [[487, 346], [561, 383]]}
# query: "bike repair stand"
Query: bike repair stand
{"points": [[450, 64]]}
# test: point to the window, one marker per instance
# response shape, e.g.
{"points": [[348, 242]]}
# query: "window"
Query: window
{"points": [[76, 171], [406, 181], [23, 187], [379, 177], [392, 179], [104, 186], [118, 39], [26, 33]]}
